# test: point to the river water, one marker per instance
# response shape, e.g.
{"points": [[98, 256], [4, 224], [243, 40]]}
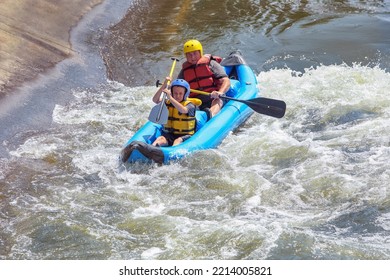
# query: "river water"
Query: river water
{"points": [[313, 185]]}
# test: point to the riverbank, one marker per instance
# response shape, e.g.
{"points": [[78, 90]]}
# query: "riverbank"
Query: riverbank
{"points": [[35, 36]]}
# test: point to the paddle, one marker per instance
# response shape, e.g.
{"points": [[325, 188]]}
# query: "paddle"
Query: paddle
{"points": [[159, 113], [266, 106]]}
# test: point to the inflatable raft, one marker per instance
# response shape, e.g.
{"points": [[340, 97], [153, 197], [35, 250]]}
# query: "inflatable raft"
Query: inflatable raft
{"points": [[209, 134]]}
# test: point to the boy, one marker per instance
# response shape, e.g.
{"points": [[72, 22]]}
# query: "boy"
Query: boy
{"points": [[181, 114]]}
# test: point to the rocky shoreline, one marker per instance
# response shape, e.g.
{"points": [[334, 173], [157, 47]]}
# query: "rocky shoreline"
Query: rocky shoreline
{"points": [[34, 36]]}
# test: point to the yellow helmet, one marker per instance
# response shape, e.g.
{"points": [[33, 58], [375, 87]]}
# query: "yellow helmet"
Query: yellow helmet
{"points": [[193, 45]]}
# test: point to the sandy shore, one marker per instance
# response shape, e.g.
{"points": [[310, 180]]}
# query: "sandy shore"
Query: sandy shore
{"points": [[34, 35]]}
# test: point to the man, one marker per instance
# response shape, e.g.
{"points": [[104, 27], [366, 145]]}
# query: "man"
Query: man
{"points": [[203, 72]]}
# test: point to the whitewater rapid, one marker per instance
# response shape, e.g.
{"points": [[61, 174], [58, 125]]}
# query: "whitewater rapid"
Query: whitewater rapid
{"points": [[312, 185]]}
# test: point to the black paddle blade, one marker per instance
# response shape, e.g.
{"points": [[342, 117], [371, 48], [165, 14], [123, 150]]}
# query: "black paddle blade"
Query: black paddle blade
{"points": [[266, 106]]}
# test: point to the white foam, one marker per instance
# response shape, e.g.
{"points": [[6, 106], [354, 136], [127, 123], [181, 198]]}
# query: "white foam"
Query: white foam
{"points": [[270, 177]]}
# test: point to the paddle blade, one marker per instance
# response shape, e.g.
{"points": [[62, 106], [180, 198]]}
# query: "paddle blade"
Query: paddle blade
{"points": [[159, 114], [266, 106]]}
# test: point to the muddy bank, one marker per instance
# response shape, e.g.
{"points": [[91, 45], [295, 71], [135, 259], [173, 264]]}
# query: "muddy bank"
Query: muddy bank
{"points": [[34, 36]]}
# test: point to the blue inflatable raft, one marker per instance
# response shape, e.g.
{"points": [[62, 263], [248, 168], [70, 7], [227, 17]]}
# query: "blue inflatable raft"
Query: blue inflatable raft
{"points": [[209, 134]]}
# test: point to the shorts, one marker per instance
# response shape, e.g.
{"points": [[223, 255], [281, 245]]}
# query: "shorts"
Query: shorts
{"points": [[172, 137], [206, 102]]}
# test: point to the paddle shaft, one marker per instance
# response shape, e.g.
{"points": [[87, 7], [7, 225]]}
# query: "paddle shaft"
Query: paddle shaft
{"points": [[267, 106], [168, 83]]}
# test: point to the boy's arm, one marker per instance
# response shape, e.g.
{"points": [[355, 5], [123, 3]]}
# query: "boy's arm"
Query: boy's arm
{"points": [[157, 96], [182, 109]]}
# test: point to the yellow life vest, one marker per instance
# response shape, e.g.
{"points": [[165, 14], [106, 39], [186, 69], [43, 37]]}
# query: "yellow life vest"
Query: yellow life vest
{"points": [[179, 123], [197, 102]]}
